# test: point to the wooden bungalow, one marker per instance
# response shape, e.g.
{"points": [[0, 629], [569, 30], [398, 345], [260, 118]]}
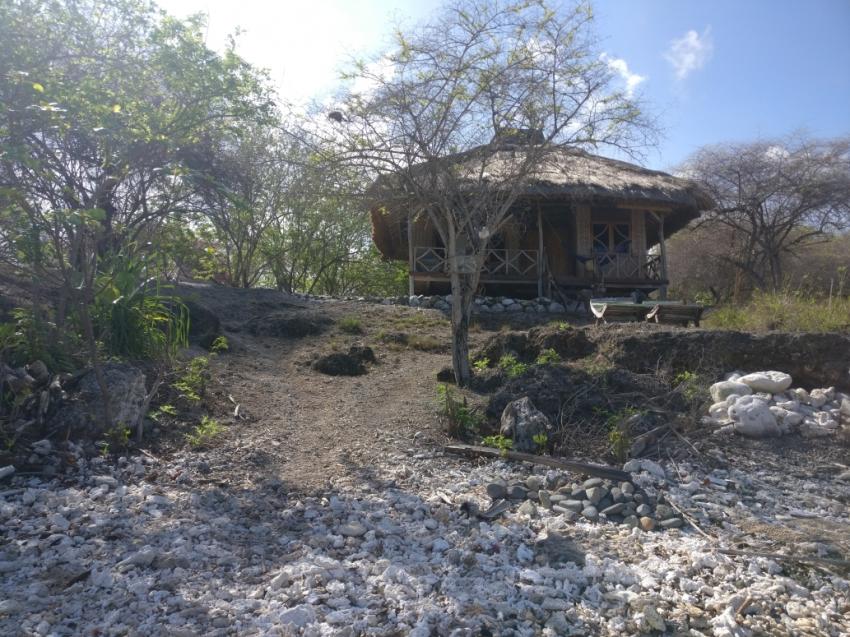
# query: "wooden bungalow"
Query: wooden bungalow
{"points": [[583, 222]]}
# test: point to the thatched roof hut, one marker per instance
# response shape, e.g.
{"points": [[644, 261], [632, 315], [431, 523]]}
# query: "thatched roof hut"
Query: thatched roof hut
{"points": [[576, 194]]}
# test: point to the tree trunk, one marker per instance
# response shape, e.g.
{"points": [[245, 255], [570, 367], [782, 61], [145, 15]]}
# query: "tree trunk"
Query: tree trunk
{"points": [[461, 305]]}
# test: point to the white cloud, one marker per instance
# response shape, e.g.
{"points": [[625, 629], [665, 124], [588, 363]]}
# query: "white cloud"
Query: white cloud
{"points": [[690, 52], [621, 68]]}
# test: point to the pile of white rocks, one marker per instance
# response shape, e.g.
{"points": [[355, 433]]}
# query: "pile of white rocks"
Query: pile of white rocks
{"points": [[763, 405]]}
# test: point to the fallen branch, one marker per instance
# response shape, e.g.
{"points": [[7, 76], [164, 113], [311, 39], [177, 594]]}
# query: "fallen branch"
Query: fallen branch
{"points": [[599, 471], [690, 520], [830, 561]]}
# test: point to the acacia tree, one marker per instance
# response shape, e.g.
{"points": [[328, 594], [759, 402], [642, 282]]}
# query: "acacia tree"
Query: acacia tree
{"points": [[458, 114], [774, 198], [102, 107]]}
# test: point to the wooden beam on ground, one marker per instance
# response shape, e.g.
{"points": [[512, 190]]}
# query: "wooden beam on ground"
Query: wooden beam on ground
{"points": [[828, 561], [599, 471]]}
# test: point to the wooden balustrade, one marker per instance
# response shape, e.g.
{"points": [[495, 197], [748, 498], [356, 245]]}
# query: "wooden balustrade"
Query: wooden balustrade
{"points": [[516, 264]]}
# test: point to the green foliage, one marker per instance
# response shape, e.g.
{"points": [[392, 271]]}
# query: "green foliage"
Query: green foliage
{"points": [[509, 364], [689, 384], [498, 441], [620, 441], [482, 364], [350, 325], [107, 113], [165, 410], [28, 338], [134, 320], [548, 357], [204, 432], [541, 440], [118, 437], [219, 345], [192, 381], [461, 420], [788, 310], [562, 326]]}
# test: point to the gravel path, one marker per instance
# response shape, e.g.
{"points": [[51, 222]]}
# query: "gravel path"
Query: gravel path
{"points": [[142, 548]]}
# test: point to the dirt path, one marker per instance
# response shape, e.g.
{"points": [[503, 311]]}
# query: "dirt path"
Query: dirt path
{"points": [[307, 429]]}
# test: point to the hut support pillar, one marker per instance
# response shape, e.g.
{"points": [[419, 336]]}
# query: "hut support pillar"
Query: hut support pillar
{"points": [[540, 261], [411, 264], [662, 291]]}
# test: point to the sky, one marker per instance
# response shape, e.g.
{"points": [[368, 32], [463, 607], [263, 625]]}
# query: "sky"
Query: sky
{"points": [[711, 72]]}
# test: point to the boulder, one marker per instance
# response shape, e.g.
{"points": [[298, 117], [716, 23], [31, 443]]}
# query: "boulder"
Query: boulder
{"points": [[818, 398], [522, 421], [83, 415], [204, 325], [753, 418], [771, 382], [283, 325], [352, 363], [725, 388]]}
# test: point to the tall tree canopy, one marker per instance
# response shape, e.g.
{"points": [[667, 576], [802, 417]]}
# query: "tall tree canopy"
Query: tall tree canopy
{"points": [[433, 112], [774, 198]]}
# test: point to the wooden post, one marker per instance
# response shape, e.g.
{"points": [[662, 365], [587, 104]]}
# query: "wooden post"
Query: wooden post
{"points": [[411, 262], [539, 252], [662, 291]]}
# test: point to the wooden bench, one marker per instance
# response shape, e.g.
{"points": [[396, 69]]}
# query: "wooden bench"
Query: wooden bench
{"points": [[605, 312], [678, 313]]}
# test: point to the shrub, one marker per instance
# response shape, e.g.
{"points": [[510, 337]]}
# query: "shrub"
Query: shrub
{"points": [[192, 381], [548, 357], [204, 432], [481, 364], [460, 419], [511, 366], [219, 345], [689, 384], [498, 441]]}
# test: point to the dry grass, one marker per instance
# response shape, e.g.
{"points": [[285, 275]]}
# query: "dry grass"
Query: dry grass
{"points": [[787, 311]]}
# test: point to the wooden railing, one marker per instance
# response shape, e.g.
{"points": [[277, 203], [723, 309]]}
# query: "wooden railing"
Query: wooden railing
{"points": [[520, 264], [615, 265]]}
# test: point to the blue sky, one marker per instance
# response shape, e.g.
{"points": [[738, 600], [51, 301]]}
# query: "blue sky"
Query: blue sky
{"points": [[713, 71]]}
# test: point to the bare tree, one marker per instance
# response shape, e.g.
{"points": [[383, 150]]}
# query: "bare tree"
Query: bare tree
{"points": [[462, 110], [774, 198]]}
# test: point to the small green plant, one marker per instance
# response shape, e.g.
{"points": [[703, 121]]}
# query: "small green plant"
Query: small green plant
{"points": [[562, 326], [541, 440], [619, 432], [351, 325], [498, 441], [193, 380], [689, 384], [460, 418], [117, 437], [164, 410], [204, 432], [621, 442], [219, 345], [511, 366], [548, 357], [481, 364]]}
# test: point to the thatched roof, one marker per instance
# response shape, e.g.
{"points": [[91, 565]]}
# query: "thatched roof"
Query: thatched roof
{"points": [[567, 175]]}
